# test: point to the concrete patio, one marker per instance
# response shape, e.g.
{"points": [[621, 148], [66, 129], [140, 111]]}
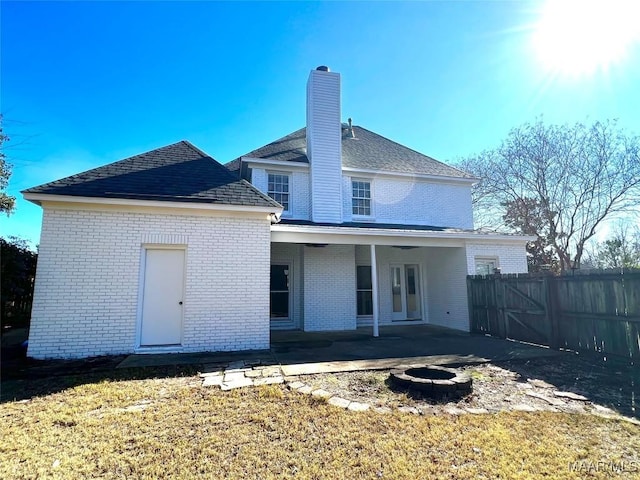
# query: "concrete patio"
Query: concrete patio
{"points": [[300, 353]]}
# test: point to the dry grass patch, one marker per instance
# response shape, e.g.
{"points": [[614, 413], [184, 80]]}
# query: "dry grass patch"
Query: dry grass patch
{"points": [[172, 428]]}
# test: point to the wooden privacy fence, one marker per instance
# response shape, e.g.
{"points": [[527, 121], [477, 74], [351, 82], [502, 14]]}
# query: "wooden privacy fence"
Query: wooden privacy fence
{"points": [[597, 311]]}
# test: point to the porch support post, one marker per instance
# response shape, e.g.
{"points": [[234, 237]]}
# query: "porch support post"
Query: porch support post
{"points": [[374, 290]]}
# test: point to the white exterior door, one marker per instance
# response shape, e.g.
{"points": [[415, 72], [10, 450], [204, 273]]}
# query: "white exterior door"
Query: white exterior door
{"points": [[162, 297], [406, 296]]}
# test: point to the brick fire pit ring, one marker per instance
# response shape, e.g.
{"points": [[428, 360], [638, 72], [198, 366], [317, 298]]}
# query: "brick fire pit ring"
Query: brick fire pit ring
{"points": [[433, 381]]}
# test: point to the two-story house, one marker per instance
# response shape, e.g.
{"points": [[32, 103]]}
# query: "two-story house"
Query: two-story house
{"points": [[332, 227]]}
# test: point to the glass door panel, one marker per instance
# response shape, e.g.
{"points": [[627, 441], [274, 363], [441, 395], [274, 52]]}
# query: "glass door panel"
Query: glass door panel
{"points": [[279, 304], [413, 291], [398, 301]]}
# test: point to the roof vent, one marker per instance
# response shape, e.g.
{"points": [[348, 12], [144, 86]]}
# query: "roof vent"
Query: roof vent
{"points": [[323, 68]]}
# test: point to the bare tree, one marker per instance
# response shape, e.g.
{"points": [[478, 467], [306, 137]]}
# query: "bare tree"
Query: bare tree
{"points": [[7, 202], [558, 182], [620, 250]]}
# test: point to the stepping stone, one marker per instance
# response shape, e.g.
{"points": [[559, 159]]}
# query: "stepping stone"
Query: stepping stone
{"points": [[290, 379], [571, 395], [551, 401], [253, 374], [236, 370], [339, 402], [213, 367], [306, 389], [243, 382], [385, 410], [454, 411], [605, 410], [212, 381], [233, 376], [268, 380], [358, 407], [540, 383], [477, 411], [271, 371], [523, 408], [294, 385], [321, 393], [412, 410], [216, 373]]}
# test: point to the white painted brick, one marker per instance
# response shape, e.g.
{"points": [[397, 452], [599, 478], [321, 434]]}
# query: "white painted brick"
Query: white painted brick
{"points": [[329, 288], [415, 202], [511, 258], [86, 289]]}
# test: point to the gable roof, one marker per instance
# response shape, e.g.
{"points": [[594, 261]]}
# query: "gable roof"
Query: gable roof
{"points": [[366, 151], [175, 173]]}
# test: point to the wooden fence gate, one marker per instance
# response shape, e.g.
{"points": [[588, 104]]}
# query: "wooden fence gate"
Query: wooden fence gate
{"points": [[597, 311]]}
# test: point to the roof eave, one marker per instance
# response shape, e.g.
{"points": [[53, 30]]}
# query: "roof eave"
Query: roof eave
{"points": [[277, 163], [39, 198], [299, 231], [425, 176]]}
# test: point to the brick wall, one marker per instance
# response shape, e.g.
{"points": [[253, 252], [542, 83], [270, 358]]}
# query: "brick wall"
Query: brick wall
{"points": [[329, 288], [300, 196], [447, 287], [511, 258], [86, 299], [415, 202]]}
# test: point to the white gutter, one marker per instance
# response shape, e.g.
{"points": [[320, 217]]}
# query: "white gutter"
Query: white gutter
{"points": [[291, 165], [386, 232], [423, 176], [38, 198]]}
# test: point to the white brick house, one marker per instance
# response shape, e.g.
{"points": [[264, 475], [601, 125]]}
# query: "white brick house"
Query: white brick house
{"points": [[170, 251]]}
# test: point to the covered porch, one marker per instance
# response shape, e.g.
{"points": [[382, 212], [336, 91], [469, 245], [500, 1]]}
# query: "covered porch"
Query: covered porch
{"points": [[343, 278]]}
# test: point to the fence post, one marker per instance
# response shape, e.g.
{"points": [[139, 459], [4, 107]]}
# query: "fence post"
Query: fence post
{"points": [[552, 313], [498, 292]]}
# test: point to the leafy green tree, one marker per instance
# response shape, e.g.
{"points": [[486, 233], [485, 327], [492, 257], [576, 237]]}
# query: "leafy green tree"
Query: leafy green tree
{"points": [[526, 216], [7, 202], [17, 274], [557, 182]]}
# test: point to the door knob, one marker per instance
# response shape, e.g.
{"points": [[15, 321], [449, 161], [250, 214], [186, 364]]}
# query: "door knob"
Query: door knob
{"points": [[179, 303]]}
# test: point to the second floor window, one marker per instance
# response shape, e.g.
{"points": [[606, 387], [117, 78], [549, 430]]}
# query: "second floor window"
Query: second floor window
{"points": [[278, 189], [361, 198]]}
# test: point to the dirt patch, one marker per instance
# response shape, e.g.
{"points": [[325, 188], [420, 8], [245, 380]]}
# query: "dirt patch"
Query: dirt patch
{"points": [[568, 384]]}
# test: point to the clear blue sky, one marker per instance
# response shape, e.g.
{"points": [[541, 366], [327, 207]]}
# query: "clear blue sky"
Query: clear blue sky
{"points": [[85, 84]]}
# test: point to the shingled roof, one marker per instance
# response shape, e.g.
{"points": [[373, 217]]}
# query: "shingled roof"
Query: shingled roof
{"points": [[175, 173], [366, 150]]}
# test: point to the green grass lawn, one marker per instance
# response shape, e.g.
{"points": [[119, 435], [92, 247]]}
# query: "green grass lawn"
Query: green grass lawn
{"points": [[172, 427]]}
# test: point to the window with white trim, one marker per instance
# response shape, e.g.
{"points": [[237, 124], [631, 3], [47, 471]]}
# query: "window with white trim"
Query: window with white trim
{"points": [[361, 198], [486, 265], [278, 189], [364, 290]]}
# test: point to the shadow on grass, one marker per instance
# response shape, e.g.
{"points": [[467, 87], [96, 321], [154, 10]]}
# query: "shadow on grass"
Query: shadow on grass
{"points": [[24, 378]]}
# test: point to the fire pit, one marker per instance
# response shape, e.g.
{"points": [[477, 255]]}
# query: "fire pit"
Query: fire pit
{"points": [[433, 381]]}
